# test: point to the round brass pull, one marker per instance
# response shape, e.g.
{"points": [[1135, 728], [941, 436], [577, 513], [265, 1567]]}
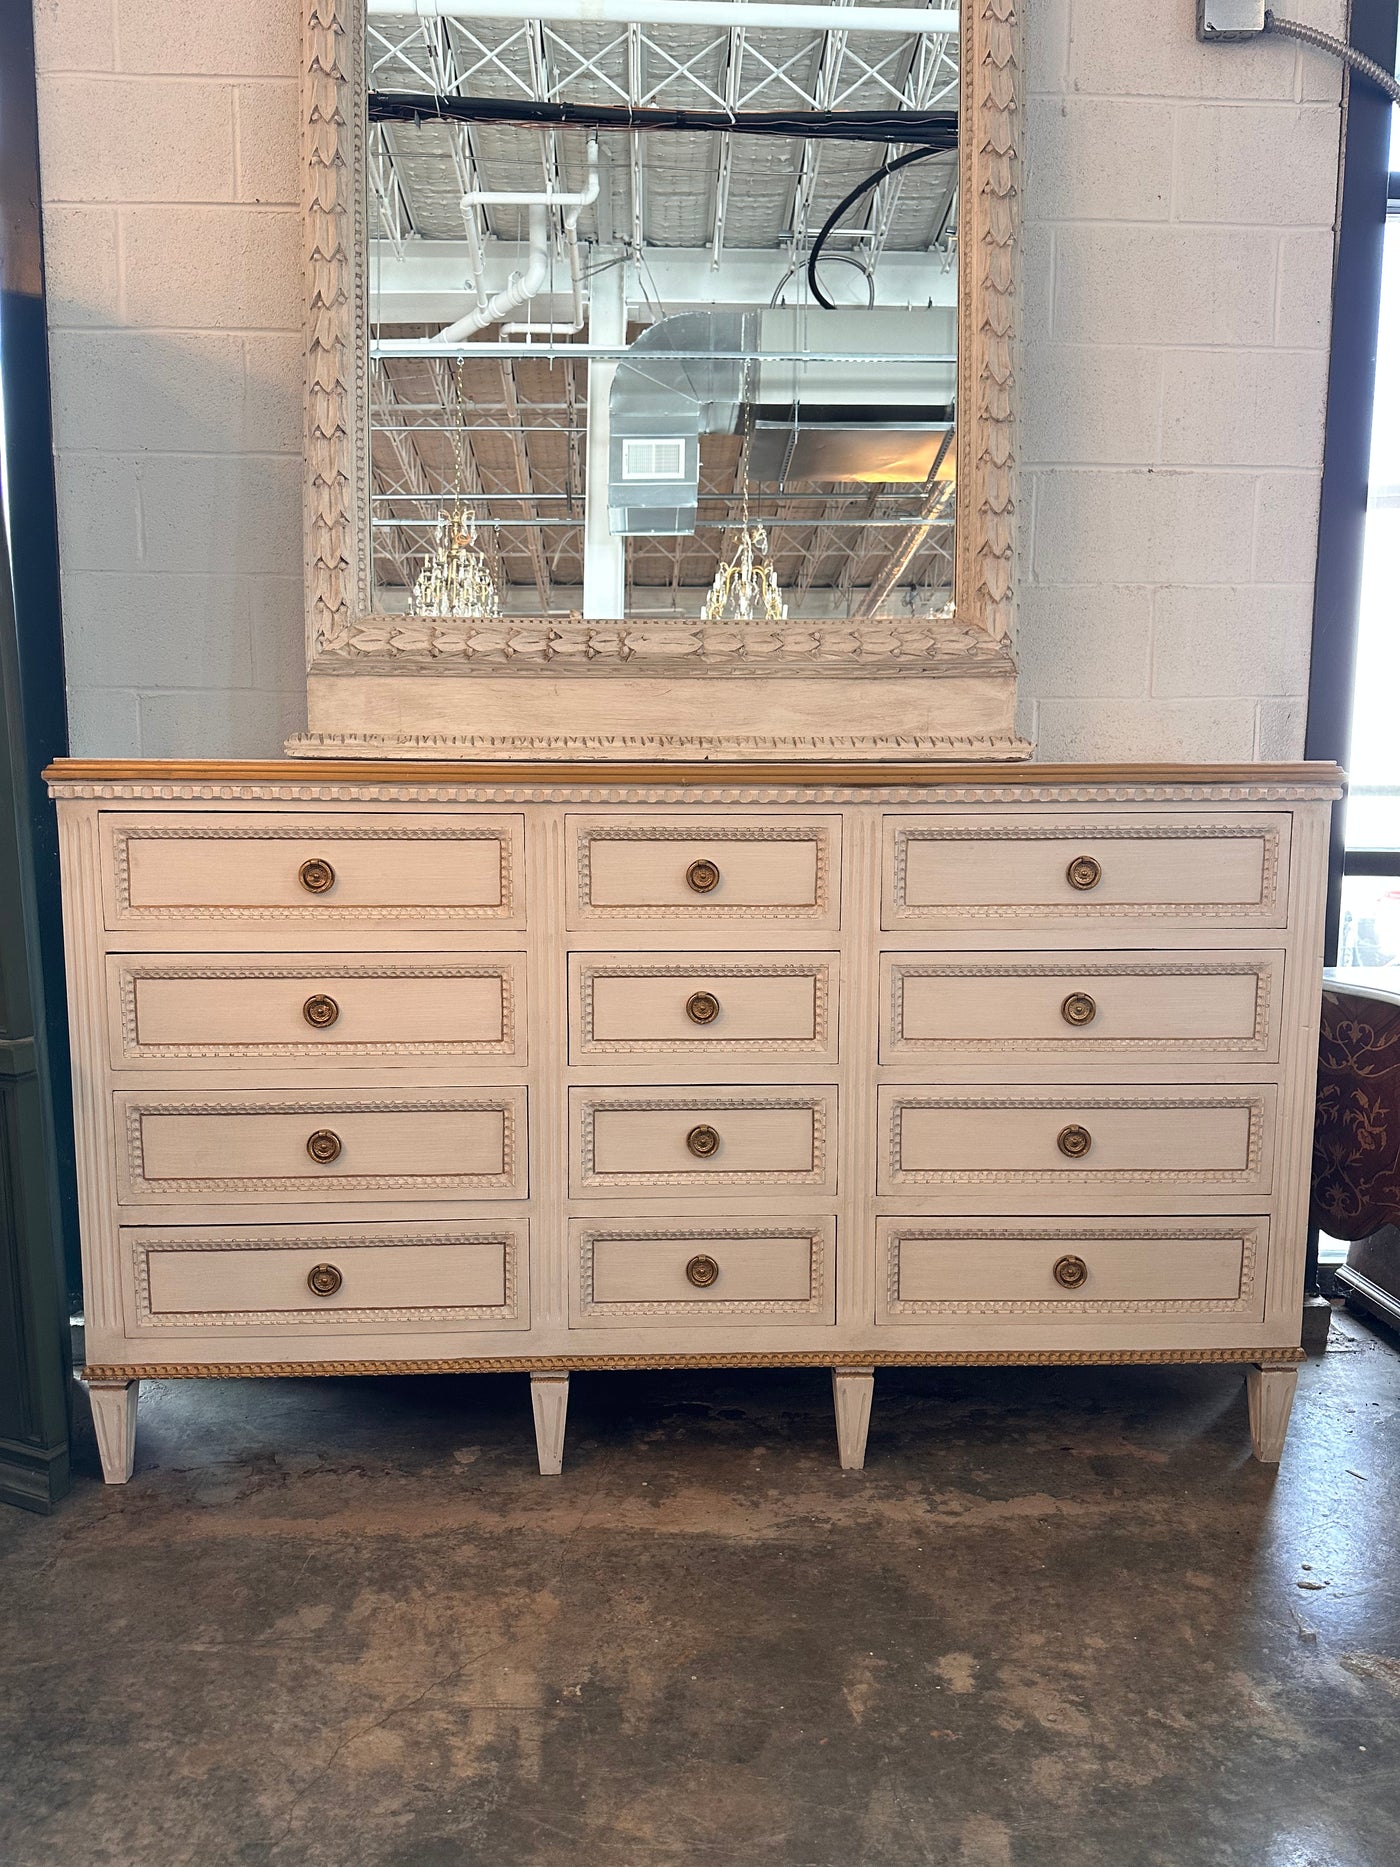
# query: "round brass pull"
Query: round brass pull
{"points": [[1084, 872], [324, 1146], [1070, 1272], [324, 1280], [316, 875], [702, 1008], [1074, 1141], [702, 1272], [320, 1011], [703, 876], [1079, 1008], [703, 1141]]}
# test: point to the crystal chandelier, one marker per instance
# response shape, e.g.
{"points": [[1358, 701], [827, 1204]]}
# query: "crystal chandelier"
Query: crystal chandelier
{"points": [[455, 579], [747, 585]]}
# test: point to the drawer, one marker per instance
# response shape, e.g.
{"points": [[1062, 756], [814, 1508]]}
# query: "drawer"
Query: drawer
{"points": [[473, 1275], [245, 1145], [669, 866], [231, 1012], [757, 1004], [1059, 1269], [1166, 1138], [1211, 868], [666, 1137], [657, 1270], [325, 868], [1164, 1006]]}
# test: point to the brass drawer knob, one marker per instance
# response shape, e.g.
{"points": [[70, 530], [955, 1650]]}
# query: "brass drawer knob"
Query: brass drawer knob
{"points": [[1074, 1141], [1079, 1008], [702, 1008], [702, 1271], [1070, 1272], [321, 1011], [316, 875], [703, 1141], [324, 1146], [1084, 872], [703, 876], [324, 1280]]}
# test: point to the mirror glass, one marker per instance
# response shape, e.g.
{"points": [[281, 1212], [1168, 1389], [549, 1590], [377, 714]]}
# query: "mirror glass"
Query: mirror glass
{"points": [[662, 309]]}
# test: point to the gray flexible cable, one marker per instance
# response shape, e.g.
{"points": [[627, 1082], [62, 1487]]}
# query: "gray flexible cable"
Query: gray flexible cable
{"points": [[1312, 35]]}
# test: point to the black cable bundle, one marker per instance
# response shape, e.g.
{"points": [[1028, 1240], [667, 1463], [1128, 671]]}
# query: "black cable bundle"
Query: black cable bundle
{"points": [[933, 130]]}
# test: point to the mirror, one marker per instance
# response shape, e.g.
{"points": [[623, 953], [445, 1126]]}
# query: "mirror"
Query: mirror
{"points": [[662, 309]]}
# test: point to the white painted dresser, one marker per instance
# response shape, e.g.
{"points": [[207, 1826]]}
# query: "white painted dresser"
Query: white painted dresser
{"points": [[408, 1067]]}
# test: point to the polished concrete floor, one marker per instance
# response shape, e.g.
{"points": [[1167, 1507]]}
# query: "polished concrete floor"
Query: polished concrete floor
{"points": [[1060, 1620]]}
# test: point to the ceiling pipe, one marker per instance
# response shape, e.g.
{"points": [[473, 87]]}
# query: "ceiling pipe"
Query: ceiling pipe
{"points": [[776, 15], [586, 199], [523, 285]]}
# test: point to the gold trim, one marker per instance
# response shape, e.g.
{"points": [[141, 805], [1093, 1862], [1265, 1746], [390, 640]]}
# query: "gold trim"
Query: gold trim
{"points": [[731, 775], [583, 1364]]}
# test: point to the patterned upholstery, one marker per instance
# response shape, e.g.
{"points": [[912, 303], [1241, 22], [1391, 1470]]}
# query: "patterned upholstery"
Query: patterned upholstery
{"points": [[1356, 1141]]}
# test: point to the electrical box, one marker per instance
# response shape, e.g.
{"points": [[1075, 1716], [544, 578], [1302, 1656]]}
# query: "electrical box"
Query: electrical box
{"points": [[1229, 19]]}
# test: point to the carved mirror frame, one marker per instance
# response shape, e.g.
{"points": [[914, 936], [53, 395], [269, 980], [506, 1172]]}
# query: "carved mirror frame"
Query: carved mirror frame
{"points": [[401, 685]]}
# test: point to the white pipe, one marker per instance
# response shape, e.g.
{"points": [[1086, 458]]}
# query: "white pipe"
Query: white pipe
{"points": [[522, 286], [581, 201], [755, 14]]}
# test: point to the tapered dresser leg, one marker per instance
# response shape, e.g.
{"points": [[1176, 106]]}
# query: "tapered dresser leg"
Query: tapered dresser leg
{"points": [[852, 1389], [1270, 1403], [549, 1396], [114, 1417]]}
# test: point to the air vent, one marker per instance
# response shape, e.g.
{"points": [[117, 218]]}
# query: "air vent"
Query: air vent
{"points": [[653, 459]]}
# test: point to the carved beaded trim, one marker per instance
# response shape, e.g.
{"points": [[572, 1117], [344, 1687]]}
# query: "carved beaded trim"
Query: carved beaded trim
{"points": [[815, 1302], [817, 969], [143, 1248], [321, 909], [1088, 908], [819, 835], [1093, 1098], [951, 748], [1090, 968], [118, 1374], [1066, 1309], [816, 1104], [132, 972], [657, 786], [139, 1106]]}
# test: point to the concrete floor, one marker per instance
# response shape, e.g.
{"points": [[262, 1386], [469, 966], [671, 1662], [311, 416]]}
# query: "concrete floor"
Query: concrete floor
{"points": [[1060, 1621]]}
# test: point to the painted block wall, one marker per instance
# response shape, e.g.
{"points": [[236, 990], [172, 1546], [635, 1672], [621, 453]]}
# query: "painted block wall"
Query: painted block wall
{"points": [[1178, 211]]}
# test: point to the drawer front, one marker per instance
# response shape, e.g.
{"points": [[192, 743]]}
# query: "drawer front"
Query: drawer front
{"points": [[1159, 1005], [325, 869], [665, 866], [1061, 1269], [326, 1277], [653, 1138], [246, 1146], [703, 1004], [656, 1271], [1209, 868], [230, 1011], [1212, 1140]]}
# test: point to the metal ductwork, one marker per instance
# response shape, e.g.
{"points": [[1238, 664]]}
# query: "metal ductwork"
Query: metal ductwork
{"points": [[682, 378], [860, 394]]}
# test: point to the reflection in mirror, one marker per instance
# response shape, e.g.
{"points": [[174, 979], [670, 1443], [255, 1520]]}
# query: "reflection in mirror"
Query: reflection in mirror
{"points": [[663, 308]]}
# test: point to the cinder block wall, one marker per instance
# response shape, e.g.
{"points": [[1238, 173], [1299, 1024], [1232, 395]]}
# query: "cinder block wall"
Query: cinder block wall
{"points": [[1179, 203]]}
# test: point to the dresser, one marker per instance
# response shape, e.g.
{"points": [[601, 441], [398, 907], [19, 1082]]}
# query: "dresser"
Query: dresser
{"points": [[387, 1068]]}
